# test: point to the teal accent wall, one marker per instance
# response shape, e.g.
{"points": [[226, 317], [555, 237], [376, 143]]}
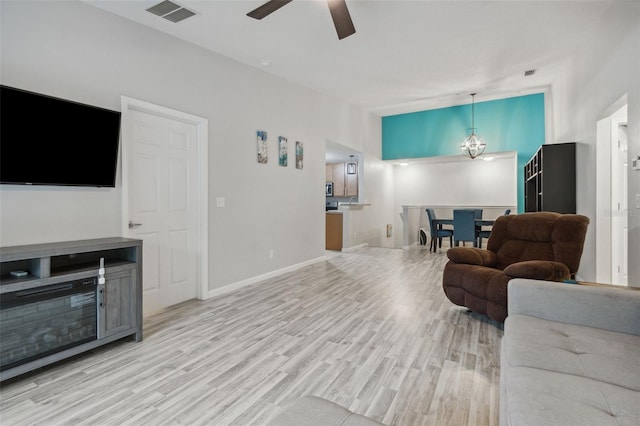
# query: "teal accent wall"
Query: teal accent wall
{"points": [[512, 124]]}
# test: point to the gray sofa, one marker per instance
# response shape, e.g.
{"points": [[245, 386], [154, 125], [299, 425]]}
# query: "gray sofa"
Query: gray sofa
{"points": [[315, 411], [570, 355]]}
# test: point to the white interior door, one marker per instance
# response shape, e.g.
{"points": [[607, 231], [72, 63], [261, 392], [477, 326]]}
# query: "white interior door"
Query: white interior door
{"points": [[619, 187], [161, 182]]}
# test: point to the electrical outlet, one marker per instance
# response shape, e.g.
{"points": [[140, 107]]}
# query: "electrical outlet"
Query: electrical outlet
{"points": [[637, 201], [220, 201], [271, 254]]}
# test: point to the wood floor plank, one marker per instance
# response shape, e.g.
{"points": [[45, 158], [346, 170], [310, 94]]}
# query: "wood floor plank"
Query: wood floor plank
{"points": [[370, 330]]}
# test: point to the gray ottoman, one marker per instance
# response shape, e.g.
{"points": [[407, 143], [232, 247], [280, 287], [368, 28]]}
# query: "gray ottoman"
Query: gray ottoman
{"points": [[315, 411]]}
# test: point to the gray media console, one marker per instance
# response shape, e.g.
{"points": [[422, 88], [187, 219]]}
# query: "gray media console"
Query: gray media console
{"points": [[58, 300]]}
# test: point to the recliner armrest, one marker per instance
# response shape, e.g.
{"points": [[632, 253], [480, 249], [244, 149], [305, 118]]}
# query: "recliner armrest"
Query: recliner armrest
{"points": [[473, 256], [547, 270]]}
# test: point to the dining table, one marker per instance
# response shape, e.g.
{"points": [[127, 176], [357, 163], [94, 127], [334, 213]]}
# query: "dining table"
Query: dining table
{"points": [[479, 222]]}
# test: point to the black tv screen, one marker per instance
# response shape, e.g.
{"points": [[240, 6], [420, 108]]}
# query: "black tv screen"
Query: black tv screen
{"points": [[51, 141]]}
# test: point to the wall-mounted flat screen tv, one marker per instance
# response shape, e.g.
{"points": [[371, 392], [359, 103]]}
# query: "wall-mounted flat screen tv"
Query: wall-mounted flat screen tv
{"points": [[51, 141]]}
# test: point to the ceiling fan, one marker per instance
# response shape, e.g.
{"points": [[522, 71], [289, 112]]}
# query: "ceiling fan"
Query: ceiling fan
{"points": [[338, 8]]}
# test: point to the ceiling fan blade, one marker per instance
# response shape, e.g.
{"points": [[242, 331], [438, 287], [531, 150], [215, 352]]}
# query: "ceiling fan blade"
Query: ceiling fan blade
{"points": [[267, 8], [341, 18]]}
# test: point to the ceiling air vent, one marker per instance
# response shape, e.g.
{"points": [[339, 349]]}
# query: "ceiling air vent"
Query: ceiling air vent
{"points": [[527, 73], [171, 11]]}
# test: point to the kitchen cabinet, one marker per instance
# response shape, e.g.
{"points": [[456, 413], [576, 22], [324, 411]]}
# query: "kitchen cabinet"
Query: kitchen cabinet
{"points": [[351, 187], [333, 231], [344, 184], [338, 179]]}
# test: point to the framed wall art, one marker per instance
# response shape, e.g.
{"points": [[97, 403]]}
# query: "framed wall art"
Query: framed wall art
{"points": [[263, 154], [299, 155], [283, 149]]}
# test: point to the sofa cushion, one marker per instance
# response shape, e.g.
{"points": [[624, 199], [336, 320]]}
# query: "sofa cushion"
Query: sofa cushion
{"points": [[315, 411], [593, 353], [537, 397], [570, 356]]}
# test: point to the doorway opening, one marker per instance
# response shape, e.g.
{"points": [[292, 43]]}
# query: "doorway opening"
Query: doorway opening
{"points": [[611, 195], [343, 185]]}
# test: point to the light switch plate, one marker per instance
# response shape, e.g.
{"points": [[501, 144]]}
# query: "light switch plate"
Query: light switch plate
{"points": [[220, 201], [637, 201]]}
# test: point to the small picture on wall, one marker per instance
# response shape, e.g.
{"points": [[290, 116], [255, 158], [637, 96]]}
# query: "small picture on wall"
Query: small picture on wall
{"points": [[263, 155], [299, 155], [282, 151]]}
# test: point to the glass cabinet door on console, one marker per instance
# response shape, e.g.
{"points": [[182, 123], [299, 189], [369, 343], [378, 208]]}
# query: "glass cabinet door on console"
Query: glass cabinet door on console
{"points": [[42, 321], [117, 307]]}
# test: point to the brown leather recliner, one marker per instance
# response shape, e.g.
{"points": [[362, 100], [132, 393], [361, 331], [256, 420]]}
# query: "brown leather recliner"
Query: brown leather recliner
{"points": [[541, 246]]}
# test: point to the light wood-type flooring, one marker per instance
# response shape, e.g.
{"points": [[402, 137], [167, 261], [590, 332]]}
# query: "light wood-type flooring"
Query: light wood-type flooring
{"points": [[370, 330]]}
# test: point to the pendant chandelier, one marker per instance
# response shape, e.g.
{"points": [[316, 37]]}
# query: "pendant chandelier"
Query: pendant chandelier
{"points": [[473, 145]]}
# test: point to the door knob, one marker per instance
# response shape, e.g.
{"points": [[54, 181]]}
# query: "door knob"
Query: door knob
{"points": [[134, 225]]}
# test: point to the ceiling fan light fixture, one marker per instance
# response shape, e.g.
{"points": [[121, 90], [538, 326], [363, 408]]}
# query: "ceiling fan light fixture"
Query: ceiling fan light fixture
{"points": [[473, 145], [341, 18], [267, 9], [338, 8]]}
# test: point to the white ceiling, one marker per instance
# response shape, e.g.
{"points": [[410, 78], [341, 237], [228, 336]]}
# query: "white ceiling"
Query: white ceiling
{"points": [[405, 56]]}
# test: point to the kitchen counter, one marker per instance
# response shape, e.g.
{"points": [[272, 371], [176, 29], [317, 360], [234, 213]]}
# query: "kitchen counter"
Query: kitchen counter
{"points": [[354, 205]]}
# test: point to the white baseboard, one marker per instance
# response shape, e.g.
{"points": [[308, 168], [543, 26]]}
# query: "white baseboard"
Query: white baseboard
{"points": [[238, 285], [350, 249]]}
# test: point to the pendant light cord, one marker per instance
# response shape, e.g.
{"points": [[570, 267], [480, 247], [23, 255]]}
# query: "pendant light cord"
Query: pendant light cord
{"points": [[473, 113]]}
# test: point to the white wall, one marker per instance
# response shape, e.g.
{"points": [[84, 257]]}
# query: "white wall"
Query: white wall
{"points": [[368, 224], [458, 181], [78, 52], [449, 182], [604, 68]]}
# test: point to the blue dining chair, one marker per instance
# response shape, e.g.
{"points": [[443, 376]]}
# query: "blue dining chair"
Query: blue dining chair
{"points": [[464, 226], [437, 234], [486, 233], [478, 216], [482, 233]]}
